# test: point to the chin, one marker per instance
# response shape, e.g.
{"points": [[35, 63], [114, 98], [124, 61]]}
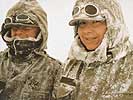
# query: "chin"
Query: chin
{"points": [[91, 48]]}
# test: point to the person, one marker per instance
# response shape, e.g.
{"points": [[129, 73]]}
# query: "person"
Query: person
{"points": [[100, 62], [27, 72]]}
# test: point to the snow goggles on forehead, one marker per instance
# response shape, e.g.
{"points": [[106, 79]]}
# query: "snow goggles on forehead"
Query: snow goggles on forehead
{"points": [[21, 19], [89, 9], [24, 18]]}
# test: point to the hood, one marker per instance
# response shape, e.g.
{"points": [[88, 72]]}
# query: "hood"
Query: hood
{"points": [[35, 13], [116, 39]]}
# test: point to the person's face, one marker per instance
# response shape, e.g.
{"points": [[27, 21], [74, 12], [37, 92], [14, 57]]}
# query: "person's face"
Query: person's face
{"points": [[91, 33], [24, 32]]}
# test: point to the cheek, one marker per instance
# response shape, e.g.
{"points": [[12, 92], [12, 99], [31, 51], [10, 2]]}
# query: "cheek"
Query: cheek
{"points": [[104, 30], [101, 31], [31, 33], [80, 33], [81, 36], [12, 33]]}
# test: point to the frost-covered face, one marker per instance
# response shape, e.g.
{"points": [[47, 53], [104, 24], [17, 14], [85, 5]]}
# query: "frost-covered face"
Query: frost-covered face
{"points": [[24, 32], [91, 33]]}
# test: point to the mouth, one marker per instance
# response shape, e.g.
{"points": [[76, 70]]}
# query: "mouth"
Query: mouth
{"points": [[90, 38]]}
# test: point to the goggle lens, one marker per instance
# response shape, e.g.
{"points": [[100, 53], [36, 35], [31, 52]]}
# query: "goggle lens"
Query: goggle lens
{"points": [[8, 20], [75, 11], [91, 10], [22, 17]]}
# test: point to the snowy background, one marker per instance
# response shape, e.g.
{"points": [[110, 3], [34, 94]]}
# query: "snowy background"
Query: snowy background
{"points": [[59, 14]]}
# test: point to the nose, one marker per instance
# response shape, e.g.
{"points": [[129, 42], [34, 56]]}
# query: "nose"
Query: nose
{"points": [[88, 28]]}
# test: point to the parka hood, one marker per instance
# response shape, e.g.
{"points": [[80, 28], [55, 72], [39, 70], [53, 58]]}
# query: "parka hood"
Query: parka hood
{"points": [[35, 12], [116, 39]]}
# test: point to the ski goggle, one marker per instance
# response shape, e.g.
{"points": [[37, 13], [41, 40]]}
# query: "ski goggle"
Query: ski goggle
{"points": [[21, 18], [88, 9], [24, 19]]}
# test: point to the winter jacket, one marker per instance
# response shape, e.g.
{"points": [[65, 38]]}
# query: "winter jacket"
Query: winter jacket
{"points": [[35, 76], [105, 73]]}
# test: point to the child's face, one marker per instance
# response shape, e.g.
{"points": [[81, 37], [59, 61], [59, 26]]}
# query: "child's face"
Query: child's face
{"points": [[92, 33]]}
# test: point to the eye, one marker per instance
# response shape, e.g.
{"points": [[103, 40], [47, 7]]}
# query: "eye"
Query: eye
{"points": [[27, 28], [14, 29], [95, 21], [82, 22]]}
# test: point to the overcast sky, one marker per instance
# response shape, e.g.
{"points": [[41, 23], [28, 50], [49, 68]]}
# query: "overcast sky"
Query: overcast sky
{"points": [[59, 14]]}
